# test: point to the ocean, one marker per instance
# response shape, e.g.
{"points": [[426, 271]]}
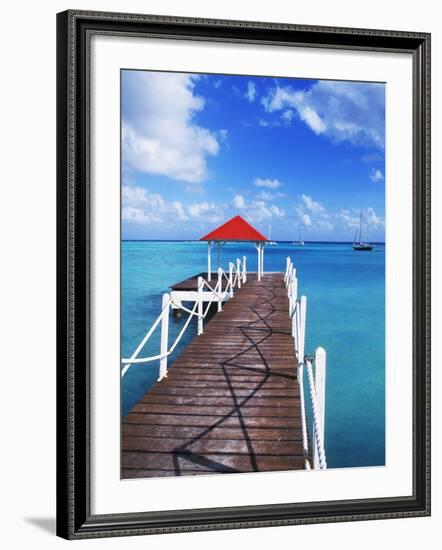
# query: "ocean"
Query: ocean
{"points": [[345, 315]]}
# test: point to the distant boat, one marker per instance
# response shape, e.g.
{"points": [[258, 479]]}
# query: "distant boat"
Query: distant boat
{"points": [[299, 242], [272, 243], [358, 243]]}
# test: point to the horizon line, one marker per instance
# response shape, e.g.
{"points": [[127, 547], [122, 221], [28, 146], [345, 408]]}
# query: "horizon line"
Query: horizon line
{"points": [[273, 240]]}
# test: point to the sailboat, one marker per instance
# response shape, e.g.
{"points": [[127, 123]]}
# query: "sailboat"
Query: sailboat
{"points": [[272, 243], [299, 242], [358, 243]]}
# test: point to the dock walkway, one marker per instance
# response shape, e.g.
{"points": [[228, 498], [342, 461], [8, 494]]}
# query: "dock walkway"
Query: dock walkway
{"points": [[231, 400]]}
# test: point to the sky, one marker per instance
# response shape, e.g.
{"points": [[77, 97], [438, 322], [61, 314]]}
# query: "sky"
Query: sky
{"points": [[198, 149]]}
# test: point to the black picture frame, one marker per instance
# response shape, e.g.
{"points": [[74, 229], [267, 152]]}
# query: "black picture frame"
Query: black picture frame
{"points": [[74, 518]]}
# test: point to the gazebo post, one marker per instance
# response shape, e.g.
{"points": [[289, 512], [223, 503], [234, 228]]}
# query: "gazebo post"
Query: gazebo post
{"points": [[236, 229], [209, 260], [262, 259]]}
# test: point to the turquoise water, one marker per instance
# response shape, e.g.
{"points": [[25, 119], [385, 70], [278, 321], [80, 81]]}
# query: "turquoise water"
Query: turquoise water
{"points": [[345, 315]]}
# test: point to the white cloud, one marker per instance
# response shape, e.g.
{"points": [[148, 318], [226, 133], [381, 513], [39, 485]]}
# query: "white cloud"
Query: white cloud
{"points": [[306, 220], [159, 132], [342, 111], [271, 184], [287, 116], [373, 219], [257, 210], [251, 91], [239, 202], [141, 206], [311, 117], [266, 196], [206, 212], [351, 218], [313, 206], [376, 175], [313, 214]]}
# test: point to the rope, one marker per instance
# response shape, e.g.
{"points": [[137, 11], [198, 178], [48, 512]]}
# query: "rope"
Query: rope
{"points": [[303, 415], [318, 440], [217, 292], [144, 340], [137, 360], [219, 296]]}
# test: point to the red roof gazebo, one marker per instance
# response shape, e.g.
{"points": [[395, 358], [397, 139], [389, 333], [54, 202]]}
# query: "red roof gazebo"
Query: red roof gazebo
{"points": [[235, 230]]}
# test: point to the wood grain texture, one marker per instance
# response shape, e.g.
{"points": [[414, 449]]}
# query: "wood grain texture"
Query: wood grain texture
{"points": [[230, 402]]}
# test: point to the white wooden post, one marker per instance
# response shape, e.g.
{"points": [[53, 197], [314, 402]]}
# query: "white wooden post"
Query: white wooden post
{"points": [[258, 248], [209, 260], [244, 269], [290, 296], [289, 278], [220, 289], [238, 271], [287, 263], [302, 319], [294, 305], [165, 307], [262, 259], [200, 305], [231, 279], [320, 370]]}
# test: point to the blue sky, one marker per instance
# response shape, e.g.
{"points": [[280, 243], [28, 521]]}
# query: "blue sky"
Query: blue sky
{"points": [[199, 149]]}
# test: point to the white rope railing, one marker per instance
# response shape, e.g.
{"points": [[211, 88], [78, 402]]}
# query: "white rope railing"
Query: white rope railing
{"points": [[316, 383], [318, 427], [198, 311]]}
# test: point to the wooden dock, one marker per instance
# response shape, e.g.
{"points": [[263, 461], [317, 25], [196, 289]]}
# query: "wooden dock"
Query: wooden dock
{"points": [[230, 402]]}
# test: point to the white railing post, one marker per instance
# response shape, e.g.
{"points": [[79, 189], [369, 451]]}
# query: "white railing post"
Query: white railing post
{"points": [[231, 279], [289, 277], [320, 369], [164, 336], [244, 269], [293, 304], [220, 289], [301, 330], [287, 263], [200, 305], [290, 295], [258, 248], [238, 272]]}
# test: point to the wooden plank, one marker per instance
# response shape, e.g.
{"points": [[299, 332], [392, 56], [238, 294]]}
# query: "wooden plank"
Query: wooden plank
{"points": [[216, 463], [216, 400], [222, 391], [220, 432], [213, 446], [230, 402], [207, 421], [245, 410]]}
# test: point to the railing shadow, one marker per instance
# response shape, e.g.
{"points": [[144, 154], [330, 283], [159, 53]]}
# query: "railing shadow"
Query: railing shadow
{"points": [[184, 452]]}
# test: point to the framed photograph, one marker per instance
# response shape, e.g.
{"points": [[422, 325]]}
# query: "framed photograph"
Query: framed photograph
{"points": [[243, 274]]}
